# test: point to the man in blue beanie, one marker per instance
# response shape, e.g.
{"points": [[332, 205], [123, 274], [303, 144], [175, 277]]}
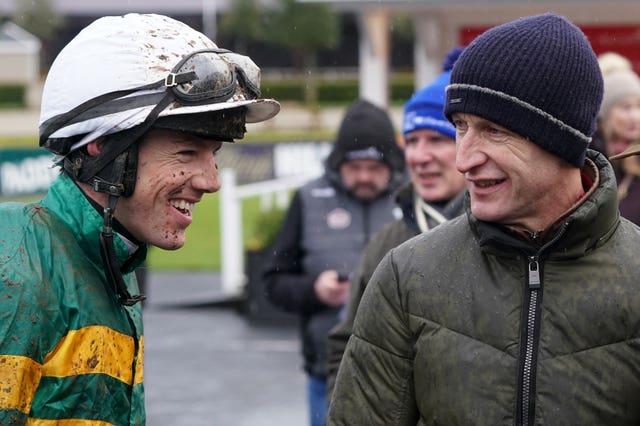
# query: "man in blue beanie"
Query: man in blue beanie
{"points": [[525, 310], [434, 195]]}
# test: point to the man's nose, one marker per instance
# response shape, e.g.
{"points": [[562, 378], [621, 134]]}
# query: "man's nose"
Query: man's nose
{"points": [[207, 180], [425, 152], [468, 153]]}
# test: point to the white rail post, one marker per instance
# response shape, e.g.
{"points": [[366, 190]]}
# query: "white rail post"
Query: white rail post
{"points": [[232, 257]]}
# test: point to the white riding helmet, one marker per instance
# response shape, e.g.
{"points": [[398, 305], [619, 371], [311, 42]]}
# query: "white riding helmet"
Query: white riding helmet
{"points": [[122, 71]]}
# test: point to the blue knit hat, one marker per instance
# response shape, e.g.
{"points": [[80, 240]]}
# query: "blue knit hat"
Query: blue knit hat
{"points": [[536, 76], [424, 109]]}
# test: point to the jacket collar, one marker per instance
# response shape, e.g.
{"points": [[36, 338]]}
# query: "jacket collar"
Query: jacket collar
{"points": [[405, 200], [65, 200]]}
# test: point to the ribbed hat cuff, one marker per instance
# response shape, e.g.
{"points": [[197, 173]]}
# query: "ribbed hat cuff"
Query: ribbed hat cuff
{"points": [[520, 117]]}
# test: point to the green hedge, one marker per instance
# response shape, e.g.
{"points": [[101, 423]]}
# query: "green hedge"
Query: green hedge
{"points": [[332, 91], [282, 90], [12, 96]]}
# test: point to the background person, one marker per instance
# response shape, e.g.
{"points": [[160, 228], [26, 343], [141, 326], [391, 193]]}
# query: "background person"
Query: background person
{"points": [[525, 310], [619, 127], [130, 110], [328, 223], [434, 195], [612, 62]]}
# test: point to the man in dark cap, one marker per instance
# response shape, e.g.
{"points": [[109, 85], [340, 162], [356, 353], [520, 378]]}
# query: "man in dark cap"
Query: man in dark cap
{"points": [[326, 228], [525, 310]]}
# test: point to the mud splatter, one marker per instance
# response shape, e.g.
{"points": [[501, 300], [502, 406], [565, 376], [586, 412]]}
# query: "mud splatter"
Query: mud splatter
{"points": [[93, 362]]}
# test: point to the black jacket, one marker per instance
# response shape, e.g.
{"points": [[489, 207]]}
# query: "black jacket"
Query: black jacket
{"points": [[326, 228]]}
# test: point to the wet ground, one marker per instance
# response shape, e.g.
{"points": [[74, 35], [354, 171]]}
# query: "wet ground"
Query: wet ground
{"points": [[207, 364]]}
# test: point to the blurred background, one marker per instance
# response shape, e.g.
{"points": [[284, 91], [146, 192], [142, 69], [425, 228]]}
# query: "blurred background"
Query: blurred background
{"points": [[216, 352], [316, 57]]}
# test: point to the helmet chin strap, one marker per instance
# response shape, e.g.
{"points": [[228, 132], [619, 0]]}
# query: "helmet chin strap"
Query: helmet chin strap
{"points": [[114, 190], [107, 251]]}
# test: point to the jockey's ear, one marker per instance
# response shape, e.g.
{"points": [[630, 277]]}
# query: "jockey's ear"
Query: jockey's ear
{"points": [[95, 147]]}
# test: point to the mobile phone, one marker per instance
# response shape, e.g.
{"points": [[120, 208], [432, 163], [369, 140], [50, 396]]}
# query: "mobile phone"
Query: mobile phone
{"points": [[343, 277]]}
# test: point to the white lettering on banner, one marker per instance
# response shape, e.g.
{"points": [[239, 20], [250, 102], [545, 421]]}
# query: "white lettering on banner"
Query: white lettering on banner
{"points": [[291, 159], [29, 176]]}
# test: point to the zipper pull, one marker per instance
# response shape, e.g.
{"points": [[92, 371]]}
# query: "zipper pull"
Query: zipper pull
{"points": [[534, 273]]}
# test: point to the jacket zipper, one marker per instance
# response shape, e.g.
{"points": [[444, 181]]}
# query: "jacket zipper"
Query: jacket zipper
{"points": [[528, 372], [525, 414]]}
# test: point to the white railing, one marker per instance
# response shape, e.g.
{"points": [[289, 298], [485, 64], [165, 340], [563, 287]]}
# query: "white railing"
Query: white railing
{"points": [[231, 195]]}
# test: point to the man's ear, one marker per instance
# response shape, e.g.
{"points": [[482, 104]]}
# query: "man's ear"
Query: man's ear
{"points": [[95, 147]]}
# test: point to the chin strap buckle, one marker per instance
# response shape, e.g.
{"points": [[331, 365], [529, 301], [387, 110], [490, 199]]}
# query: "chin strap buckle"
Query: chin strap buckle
{"points": [[101, 185]]}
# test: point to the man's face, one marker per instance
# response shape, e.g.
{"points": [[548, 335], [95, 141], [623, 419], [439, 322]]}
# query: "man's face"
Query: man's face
{"points": [[431, 160], [622, 125], [511, 180], [365, 179], [175, 170]]}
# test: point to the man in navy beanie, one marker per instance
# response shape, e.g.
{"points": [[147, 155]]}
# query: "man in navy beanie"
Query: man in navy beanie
{"points": [[526, 310]]}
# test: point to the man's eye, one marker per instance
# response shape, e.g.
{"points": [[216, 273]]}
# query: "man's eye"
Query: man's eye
{"points": [[497, 134], [459, 124], [185, 154], [498, 131]]}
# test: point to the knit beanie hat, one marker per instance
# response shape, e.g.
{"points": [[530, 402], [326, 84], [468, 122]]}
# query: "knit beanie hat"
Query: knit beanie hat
{"points": [[366, 133], [617, 86], [424, 109], [536, 76]]}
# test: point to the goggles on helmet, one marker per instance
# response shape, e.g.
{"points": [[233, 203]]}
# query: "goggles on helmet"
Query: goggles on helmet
{"points": [[203, 77], [218, 72]]}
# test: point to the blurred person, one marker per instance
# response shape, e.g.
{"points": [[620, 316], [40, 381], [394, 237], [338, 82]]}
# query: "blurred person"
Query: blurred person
{"points": [[609, 62], [525, 310], [619, 128], [328, 223], [612, 62], [434, 195], [135, 108]]}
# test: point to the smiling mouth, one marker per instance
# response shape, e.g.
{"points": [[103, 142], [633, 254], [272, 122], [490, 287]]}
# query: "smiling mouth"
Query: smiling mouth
{"points": [[429, 175], [488, 183], [183, 206]]}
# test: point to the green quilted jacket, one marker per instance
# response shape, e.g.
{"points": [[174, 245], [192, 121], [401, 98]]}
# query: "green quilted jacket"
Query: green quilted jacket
{"points": [[69, 352], [471, 324]]}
